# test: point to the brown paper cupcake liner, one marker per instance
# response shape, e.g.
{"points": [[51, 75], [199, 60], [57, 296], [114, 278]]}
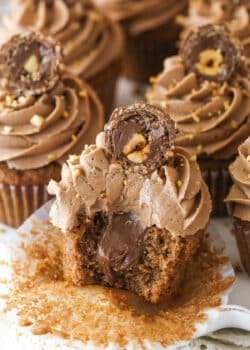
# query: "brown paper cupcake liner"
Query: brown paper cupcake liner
{"points": [[145, 53], [17, 203], [242, 231], [218, 182], [104, 84]]}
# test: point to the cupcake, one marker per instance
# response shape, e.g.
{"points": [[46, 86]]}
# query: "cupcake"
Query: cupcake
{"points": [[150, 31], [239, 201], [206, 90], [92, 43], [132, 208], [235, 13], [46, 113]]}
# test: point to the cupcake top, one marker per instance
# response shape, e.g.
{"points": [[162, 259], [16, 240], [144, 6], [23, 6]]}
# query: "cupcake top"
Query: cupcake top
{"points": [[142, 15], [91, 42], [45, 112], [139, 173], [236, 13], [239, 196], [206, 90]]}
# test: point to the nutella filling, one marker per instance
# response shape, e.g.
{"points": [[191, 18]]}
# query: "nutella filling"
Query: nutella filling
{"points": [[119, 248]]}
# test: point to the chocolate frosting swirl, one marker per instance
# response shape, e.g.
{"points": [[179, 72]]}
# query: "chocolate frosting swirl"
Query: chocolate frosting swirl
{"points": [[173, 196], [46, 122], [90, 41], [143, 15], [235, 13], [212, 116], [239, 196]]}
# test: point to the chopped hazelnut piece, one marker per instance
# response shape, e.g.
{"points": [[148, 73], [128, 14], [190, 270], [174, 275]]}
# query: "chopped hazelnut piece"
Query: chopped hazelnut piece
{"points": [[51, 157], [210, 62], [32, 64], [7, 129], [74, 159], [37, 120]]}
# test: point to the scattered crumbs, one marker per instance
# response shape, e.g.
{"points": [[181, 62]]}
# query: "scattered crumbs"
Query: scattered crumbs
{"points": [[49, 304], [237, 267], [2, 230]]}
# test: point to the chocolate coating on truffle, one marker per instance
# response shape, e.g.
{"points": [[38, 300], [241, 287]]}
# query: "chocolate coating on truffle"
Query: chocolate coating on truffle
{"points": [[119, 248], [29, 64], [211, 53], [140, 135]]}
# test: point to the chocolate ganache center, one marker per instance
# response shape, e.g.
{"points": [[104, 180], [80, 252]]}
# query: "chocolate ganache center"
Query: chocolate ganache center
{"points": [[119, 247]]}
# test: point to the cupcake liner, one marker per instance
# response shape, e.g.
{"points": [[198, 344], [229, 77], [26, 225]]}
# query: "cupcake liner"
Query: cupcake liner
{"points": [[145, 53], [17, 203], [218, 182], [106, 95], [242, 230]]}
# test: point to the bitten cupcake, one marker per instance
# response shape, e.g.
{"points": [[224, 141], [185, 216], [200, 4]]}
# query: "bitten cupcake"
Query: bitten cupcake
{"points": [[46, 113], [206, 90], [133, 207], [239, 201], [91, 42], [150, 30], [236, 13]]}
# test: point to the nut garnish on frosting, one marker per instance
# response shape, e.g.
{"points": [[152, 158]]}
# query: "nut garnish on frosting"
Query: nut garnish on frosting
{"points": [[206, 90], [44, 114], [121, 215]]}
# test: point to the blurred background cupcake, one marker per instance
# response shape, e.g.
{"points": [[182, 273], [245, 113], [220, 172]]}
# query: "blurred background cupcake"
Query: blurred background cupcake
{"points": [[239, 201], [92, 43], [236, 13], [46, 114], [150, 30], [206, 90]]}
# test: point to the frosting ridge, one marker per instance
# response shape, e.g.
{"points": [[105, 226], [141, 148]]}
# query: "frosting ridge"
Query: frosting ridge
{"points": [[239, 196]]}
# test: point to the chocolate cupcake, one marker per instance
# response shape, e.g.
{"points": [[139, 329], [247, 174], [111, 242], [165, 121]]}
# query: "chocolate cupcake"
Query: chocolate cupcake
{"points": [[46, 113], [206, 90], [236, 13], [239, 201], [91, 42], [132, 208], [150, 31]]}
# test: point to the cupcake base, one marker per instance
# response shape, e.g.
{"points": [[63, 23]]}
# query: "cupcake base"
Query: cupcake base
{"points": [[145, 53], [23, 192], [156, 277], [218, 180], [105, 85], [242, 230]]}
